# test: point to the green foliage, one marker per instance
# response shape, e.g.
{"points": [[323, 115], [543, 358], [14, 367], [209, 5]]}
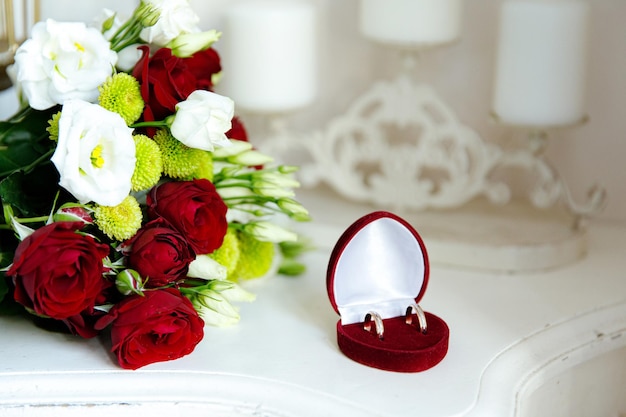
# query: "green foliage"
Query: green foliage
{"points": [[28, 180], [4, 288], [24, 141], [31, 194]]}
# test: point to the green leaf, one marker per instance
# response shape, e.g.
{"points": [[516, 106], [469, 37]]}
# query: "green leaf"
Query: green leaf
{"points": [[294, 249], [33, 193], [23, 140], [4, 288], [8, 306]]}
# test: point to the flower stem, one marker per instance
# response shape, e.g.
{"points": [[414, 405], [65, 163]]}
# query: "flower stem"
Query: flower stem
{"points": [[25, 220], [28, 168], [31, 219], [21, 114], [155, 123]]}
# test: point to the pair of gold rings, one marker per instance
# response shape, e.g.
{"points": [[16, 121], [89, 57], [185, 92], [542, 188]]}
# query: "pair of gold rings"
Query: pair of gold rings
{"points": [[412, 309]]}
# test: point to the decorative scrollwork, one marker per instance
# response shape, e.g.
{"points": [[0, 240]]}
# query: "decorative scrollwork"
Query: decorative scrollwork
{"points": [[400, 145]]}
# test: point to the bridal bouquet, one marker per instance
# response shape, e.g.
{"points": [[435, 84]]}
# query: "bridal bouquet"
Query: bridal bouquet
{"points": [[133, 203]]}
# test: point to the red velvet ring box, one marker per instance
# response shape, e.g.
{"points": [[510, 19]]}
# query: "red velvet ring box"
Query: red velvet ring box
{"points": [[379, 269]]}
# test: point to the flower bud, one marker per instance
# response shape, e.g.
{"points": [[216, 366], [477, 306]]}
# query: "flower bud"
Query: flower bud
{"points": [[187, 44], [293, 209], [236, 147], [213, 307], [291, 268], [280, 179], [288, 169], [129, 281], [234, 192], [204, 267], [22, 231], [73, 213], [234, 293], [226, 171], [147, 14], [270, 189], [269, 232], [216, 77], [108, 23], [213, 301], [250, 158]]}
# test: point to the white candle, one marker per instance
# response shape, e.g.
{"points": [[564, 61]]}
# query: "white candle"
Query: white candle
{"points": [[411, 22], [541, 62], [269, 55]]}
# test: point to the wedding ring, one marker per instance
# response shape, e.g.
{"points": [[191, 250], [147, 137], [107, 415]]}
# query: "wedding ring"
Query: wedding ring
{"points": [[421, 317], [378, 322]]}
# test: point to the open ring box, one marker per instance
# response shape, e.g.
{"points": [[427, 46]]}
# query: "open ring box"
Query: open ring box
{"points": [[377, 270]]}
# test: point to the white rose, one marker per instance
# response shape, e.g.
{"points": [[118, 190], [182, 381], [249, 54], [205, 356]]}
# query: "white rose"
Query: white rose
{"points": [[203, 119], [95, 154], [62, 61], [176, 17]]}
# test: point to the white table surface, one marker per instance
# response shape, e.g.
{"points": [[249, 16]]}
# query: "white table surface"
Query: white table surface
{"points": [[508, 333]]}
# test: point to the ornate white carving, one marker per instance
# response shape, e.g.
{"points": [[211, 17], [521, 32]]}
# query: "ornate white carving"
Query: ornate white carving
{"points": [[400, 145]]}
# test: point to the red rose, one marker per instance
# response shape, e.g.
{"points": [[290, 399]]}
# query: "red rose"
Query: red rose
{"points": [[160, 253], [159, 326], [83, 324], [167, 80], [57, 272], [194, 208], [237, 131], [203, 65]]}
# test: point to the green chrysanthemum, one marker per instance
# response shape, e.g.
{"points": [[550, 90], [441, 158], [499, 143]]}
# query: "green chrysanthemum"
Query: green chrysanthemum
{"points": [[120, 94], [228, 254], [179, 160], [53, 126], [149, 165], [204, 168], [255, 259], [119, 222]]}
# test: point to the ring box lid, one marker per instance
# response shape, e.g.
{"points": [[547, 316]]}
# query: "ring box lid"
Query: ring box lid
{"points": [[379, 263]]}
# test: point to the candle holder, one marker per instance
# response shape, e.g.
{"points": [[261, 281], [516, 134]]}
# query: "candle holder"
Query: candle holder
{"points": [[550, 188], [399, 146]]}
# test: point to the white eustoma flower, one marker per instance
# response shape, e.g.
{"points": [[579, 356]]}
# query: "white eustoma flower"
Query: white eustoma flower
{"points": [[176, 17], [95, 154], [61, 61], [203, 119], [128, 57]]}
